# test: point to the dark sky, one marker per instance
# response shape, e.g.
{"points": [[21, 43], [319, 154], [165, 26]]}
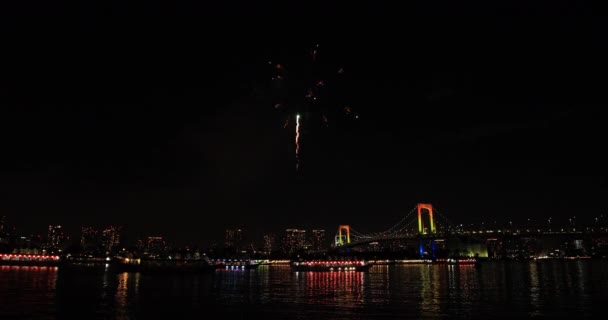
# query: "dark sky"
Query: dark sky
{"points": [[157, 115]]}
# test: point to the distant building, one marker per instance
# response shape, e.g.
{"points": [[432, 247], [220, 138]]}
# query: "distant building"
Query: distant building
{"points": [[575, 247], [54, 238], [2, 218], [110, 238], [269, 243], [295, 239], [140, 246], [26, 245], [90, 241], [495, 248], [156, 246], [233, 238], [318, 240]]}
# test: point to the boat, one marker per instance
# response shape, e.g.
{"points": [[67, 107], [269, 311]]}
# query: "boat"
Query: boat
{"points": [[383, 262], [236, 264], [164, 266], [455, 261], [15, 259], [331, 265], [466, 261]]}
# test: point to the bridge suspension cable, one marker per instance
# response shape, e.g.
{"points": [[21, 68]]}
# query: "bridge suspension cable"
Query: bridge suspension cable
{"points": [[393, 230], [443, 218]]}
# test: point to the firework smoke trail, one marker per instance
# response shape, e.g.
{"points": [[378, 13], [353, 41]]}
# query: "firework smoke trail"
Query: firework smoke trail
{"points": [[297, 142]]}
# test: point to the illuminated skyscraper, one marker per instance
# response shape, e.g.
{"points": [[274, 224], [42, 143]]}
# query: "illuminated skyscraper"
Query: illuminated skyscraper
{"points": [[269, 243], [229, 238], [234, 238], [318, 240], [88, 235], [295, 239], [54, 238], [110, 238]]}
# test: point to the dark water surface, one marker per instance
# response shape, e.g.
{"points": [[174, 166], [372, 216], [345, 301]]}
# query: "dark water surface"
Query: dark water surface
{"points": [[576, 288]]}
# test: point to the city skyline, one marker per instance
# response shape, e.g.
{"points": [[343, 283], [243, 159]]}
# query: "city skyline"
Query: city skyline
{"points": [[109, 236]]}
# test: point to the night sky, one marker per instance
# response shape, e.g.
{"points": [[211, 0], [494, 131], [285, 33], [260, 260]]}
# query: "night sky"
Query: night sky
{"points": [[157, 115]]}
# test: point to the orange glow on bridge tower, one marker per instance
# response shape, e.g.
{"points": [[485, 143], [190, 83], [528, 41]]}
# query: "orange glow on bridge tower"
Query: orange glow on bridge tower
{"points": [[422, 228], [346, 228]]}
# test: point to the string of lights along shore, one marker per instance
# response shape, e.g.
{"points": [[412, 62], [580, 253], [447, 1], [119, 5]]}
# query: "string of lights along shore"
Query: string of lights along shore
{"points": [[307, 92]]}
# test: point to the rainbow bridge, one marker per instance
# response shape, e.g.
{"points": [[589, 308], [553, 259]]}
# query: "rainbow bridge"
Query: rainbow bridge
{"points": [[423, 222]]}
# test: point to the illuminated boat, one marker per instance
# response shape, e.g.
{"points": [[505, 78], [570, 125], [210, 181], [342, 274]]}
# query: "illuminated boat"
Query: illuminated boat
{"points": [[236, 264], [462, 261], [331, 265], [12, 259], [455, 261], [164, 266]]}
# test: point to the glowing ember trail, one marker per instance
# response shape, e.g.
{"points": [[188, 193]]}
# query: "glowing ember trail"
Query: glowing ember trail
{"points": [[297, 142], [319, 89]]}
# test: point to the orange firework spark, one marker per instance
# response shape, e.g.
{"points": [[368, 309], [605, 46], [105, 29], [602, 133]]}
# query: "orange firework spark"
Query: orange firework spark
{"points": [[297, 142]]}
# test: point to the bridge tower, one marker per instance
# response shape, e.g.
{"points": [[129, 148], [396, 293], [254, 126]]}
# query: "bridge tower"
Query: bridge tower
{"points": [[422, 228], [340, 238], [421, 225]]}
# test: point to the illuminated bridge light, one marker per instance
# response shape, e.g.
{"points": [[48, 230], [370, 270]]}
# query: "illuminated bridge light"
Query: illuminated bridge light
{"points": [[421, 227], [340, 239]]}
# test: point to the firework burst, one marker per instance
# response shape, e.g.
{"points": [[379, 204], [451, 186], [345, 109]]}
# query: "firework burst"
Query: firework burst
{"points": [[307, 90]]}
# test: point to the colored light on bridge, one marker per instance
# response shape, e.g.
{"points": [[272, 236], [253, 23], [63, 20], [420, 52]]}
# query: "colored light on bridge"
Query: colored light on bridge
{"points": [[421, 226], [372, 239]]}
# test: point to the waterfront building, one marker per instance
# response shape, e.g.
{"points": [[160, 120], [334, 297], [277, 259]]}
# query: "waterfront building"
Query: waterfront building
{"points": [[156, 246], [111, 238], [269, 243], [318, 242], [233, 238], [54, 238], [295, 240]]}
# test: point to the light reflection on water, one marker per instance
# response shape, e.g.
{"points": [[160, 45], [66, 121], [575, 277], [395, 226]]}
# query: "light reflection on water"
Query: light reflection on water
{"points": [[497, 290], [24, 288], [334, 288]]}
